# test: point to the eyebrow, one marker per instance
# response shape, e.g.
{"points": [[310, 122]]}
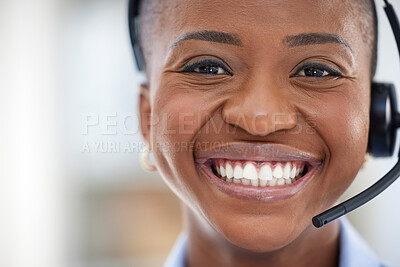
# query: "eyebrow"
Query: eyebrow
{"points": [[302, 39], [210, 36], [313, 39]]}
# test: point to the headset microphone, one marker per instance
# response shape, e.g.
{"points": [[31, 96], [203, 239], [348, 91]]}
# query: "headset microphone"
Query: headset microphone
{"points": [[384, 121]]}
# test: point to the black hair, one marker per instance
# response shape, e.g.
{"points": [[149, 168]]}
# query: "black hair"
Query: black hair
{"points": [[370, 28]]}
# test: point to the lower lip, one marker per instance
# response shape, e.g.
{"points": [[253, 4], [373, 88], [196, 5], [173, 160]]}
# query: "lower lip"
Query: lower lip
{"points": [[252, 193]]}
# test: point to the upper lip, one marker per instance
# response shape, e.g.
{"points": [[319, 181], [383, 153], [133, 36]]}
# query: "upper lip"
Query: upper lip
{"points": [[256, 152]]}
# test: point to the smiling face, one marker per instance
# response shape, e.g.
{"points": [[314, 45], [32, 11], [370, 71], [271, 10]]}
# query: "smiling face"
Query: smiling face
{"points": [[242, 96]]}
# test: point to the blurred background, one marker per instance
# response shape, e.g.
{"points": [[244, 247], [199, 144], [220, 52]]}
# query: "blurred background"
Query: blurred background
{"points": [[72, 192]]}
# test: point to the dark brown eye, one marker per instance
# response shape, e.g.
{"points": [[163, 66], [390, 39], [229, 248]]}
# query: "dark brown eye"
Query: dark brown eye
{"points": [[312, 72], [210, 69], [207, 66], [317, 70]]}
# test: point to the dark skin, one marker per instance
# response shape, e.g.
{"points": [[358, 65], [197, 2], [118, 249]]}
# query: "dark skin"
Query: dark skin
{"points": [[258, 93]]}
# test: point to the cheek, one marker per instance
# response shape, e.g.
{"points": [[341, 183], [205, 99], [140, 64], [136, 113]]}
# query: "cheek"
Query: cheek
{"points": [[177, 117], [180, 109], [344, 124]]}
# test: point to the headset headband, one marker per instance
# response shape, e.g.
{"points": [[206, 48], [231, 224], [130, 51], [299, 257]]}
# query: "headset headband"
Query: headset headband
{"points": [[134, 32]]}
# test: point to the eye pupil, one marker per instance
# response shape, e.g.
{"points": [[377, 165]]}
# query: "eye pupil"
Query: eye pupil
{"points": [[313, 72], [209, 69]]}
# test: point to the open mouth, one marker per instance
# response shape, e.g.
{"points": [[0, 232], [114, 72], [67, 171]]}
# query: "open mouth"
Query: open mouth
{"points": [[258, 173]]}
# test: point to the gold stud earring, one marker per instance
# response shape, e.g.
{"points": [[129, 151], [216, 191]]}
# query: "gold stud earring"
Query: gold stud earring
{"points": [[144, 160], [366, 160]]}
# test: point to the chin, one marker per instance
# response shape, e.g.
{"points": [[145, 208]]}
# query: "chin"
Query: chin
{"points": [[260, 234]]}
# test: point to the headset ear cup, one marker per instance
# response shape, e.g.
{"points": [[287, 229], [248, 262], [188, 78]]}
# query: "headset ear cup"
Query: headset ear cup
{"points": [[382, 130]]}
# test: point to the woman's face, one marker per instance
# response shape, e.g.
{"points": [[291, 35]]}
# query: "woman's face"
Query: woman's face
{"points": [[270, 87]]}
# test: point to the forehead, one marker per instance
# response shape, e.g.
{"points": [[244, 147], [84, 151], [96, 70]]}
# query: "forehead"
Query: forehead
{"points": [[259, 24], [265, 18]]}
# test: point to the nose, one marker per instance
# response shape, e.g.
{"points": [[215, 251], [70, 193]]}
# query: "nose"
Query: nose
{"points": [[260, 107]]}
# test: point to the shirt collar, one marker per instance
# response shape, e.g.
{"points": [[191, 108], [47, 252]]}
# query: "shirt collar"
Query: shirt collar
{"points": [[177, 256], [354, 251]]}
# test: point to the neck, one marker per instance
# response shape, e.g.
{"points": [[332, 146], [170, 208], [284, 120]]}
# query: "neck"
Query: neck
{"points": [[207, 247]]}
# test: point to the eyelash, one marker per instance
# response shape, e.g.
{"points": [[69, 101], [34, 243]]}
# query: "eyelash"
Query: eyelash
{"points": [[318, 66], [210, 62], [204, 63]]}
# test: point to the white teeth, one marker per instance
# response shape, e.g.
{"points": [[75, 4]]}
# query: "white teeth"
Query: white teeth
{"points": [[281, 174], [297, 171], [254, 182], [250, 172], [280, 181], [286, 171], [278, 172], [236, 181], [293, 172], [238, 172], [263, 183], [265, 173], [245, 181], [222, 171], [229, 170]]}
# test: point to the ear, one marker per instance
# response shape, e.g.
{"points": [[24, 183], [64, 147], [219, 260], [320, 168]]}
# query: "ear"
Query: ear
{"points": [[145, 112]]}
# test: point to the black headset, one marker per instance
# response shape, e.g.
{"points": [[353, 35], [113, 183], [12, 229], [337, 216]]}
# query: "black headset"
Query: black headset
{"points": [[384, 120]]}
